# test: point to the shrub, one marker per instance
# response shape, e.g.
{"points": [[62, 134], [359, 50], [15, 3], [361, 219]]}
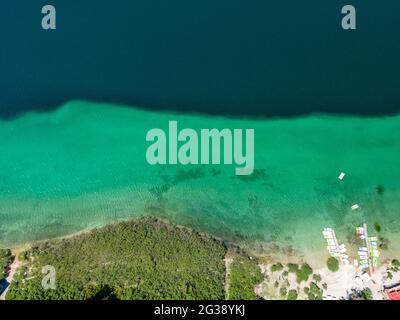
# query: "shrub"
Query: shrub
{"points": [[364, 294], [276, 267], [396, 263], [23, 256], [304, 272], [283, 292], [292, 267], [317, 277], [5, 259], [315, 293], [292, 295], [333, 264]]}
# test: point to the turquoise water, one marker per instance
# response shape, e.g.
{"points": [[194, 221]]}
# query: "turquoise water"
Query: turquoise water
{"points": [[84, 165]]}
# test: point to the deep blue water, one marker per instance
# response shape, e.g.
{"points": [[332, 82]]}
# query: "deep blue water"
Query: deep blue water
{"points": [[259, 57]]}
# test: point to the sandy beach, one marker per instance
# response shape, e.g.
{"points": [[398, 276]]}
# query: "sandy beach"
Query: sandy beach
{"points": [[338, 284]]}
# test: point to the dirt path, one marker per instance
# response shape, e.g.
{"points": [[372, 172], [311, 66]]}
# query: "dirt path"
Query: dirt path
{"points": [[228, 261]]}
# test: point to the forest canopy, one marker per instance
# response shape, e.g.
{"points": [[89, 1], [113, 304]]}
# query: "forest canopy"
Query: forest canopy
{"points": [[142, 259]]}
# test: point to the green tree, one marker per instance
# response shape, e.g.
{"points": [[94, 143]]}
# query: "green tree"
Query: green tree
{"points": [[333, 264], [304, 272]]}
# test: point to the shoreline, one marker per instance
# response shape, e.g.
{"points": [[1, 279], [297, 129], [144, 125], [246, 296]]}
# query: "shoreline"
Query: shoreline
{"points": [[251, 247], [264, 250], [337, 285], [317, 259]]}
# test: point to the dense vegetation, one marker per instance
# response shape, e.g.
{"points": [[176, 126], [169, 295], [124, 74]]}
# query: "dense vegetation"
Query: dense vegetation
{"points": [[244, 275], [145, 259], [292, 295], [5, 260]]}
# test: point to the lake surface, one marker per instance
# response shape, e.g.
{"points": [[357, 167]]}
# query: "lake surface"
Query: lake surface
{"points": [[84, 165], [68, 168], [259, 57]]}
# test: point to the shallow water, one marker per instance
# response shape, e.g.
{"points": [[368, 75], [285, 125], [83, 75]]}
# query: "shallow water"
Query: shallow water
{"points": [[84, 165]]}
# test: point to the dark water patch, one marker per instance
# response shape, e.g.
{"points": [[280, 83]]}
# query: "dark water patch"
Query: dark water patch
{"points": [[190, 174], [158, 191], [215, 172], [258, 174], [262, 58]]}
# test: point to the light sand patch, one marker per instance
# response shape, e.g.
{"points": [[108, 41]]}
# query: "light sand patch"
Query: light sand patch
{"points": [[338, 284]]}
